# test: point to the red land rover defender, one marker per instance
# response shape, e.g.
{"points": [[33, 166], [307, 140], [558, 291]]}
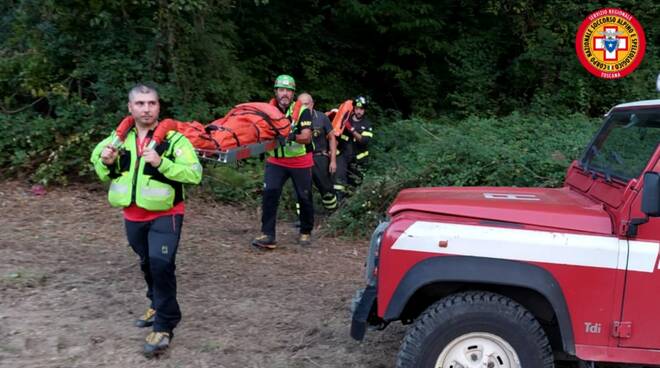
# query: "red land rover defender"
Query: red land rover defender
{"points": [[515, 277]]}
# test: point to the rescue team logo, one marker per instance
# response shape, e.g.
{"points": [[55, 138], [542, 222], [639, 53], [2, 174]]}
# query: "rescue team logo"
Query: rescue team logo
{"points": [[610, 43]]}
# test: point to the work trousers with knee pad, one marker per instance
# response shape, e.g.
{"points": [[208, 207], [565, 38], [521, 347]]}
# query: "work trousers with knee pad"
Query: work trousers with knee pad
{"points": [[274, 178], [156, 243], [323, 181], [341, 175], [350, 173]]}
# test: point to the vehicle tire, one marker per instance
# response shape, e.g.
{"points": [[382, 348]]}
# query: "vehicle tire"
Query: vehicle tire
{"points": [[475, 329]]}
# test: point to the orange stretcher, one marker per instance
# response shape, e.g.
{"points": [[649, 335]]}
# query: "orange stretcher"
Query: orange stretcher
{"points": [[340, 115], [248, 130]]}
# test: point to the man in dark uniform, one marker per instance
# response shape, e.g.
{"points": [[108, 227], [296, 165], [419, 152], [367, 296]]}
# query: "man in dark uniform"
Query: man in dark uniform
{"points": [[293, 160], [325, 153], [353, 148]]}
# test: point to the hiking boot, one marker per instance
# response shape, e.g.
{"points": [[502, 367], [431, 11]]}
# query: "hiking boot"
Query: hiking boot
{"points": [[157, 342], [147, 319], [264, 241], [305, 239]]}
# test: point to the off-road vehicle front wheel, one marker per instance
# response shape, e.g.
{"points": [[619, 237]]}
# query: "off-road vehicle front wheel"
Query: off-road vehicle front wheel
{"points": [[475, 329]]}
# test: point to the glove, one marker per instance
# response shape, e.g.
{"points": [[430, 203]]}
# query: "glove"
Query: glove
{"points": [[291, 137], [348, 125]]}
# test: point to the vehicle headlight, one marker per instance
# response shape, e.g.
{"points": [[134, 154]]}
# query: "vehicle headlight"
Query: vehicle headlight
{"points": [[374, 249]]}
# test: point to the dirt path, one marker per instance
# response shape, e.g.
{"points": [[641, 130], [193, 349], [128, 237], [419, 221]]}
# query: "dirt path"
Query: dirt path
{"points": [[70, 288]]}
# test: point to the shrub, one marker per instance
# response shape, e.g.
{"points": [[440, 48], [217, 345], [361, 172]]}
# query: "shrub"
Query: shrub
{"points": [[511, 151]]}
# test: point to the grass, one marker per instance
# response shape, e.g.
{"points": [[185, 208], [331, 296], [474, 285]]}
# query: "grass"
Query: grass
{"points": [[23, 278]]}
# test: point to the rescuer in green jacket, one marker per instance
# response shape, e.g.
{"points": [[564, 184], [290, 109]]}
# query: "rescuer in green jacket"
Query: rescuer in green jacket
{"points": [[146, 180], [293, 160]]}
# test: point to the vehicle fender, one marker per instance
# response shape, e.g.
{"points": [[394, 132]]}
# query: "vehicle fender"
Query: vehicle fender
{"points": [[484, 271]]}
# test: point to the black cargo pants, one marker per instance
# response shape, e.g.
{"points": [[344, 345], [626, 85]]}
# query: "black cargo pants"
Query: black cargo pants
{"points": [[156, 243], [274, 178], [356, 170], [323, 181], [341, 180]]}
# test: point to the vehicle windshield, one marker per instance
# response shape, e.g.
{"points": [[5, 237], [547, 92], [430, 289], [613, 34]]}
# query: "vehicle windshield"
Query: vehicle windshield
{"points": [[624, 144]]}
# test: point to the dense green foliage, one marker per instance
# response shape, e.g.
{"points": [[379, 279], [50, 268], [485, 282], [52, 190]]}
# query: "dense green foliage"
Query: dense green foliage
{"points": [[65, 68], [512, 151], [421, 58]]}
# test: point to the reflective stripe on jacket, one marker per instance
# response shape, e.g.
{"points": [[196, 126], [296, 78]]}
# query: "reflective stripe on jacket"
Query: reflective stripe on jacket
{"points": [[154, 189], [292, 148]]}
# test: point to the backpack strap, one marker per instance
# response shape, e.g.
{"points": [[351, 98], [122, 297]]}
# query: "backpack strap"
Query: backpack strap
{"points": [[265, 117]]}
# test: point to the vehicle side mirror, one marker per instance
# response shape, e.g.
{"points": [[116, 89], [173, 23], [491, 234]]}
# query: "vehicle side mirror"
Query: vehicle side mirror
{"points": [[657, 83], [651, 194]]}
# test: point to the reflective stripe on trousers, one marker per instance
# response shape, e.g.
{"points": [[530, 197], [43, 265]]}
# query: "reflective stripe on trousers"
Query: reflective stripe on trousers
{"points": [[329, 201], [362, 155]]}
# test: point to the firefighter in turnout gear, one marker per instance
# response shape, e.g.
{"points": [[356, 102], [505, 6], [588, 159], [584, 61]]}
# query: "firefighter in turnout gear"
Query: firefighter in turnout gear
{"points": [[353, 148], [293, 160], [325, 153], [147, 182]]}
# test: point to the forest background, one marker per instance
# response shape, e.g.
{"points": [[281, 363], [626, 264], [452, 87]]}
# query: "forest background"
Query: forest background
{"points": [[461, 92]]}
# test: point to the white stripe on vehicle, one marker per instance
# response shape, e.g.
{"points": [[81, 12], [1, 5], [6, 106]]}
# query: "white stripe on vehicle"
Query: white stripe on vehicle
{"points": [[529, 245], [511, 196]]}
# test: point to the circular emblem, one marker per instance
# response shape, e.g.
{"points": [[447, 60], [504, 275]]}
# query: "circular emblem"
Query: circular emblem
{"points": [[610, 43]]}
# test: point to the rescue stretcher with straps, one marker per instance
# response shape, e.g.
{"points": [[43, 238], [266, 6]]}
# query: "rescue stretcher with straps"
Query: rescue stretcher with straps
{"points": [[267, 113], [248, 130], [235, 154]]}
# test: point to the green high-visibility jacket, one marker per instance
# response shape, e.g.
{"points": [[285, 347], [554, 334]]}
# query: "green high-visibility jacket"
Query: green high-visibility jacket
{"points": [[135, 181], [295, 149]]}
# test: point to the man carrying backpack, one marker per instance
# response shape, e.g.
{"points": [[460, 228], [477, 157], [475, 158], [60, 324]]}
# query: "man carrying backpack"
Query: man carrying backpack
{"points": [[293, 160], [147, 182], [353, 148]]}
